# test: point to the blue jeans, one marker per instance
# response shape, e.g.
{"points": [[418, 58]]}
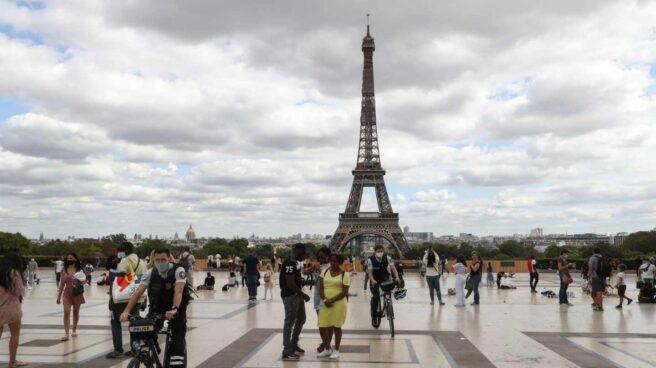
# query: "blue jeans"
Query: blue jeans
{"points": [[562, 293], [434, 286], [251, 283], [476, 280]]}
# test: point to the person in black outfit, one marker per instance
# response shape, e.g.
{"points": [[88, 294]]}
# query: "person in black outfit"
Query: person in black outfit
{"points": [[208, 284], [293, 299], [169, 296], [380, 267], [252, 273]]}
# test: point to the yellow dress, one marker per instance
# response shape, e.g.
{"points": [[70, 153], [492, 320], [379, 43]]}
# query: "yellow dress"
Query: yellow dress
{"points": [[332, 286]]}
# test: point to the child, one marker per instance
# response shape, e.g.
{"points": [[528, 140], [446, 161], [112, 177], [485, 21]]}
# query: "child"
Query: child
{"points": [[621, 286], [268, 282]]}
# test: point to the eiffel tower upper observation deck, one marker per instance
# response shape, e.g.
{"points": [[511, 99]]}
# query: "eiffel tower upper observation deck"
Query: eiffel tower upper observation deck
{"points": [[368, 172]]}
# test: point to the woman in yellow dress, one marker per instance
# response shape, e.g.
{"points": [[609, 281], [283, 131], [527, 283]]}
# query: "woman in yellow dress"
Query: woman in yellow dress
{"points": [[333, 289]]}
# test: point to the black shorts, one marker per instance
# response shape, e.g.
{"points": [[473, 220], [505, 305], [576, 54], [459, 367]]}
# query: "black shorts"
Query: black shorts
{"points": [[597, 285], [621, 290]]}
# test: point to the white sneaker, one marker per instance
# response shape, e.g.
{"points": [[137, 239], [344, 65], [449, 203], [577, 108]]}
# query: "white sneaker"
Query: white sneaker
{"points": [[335, 354], [325, 353]]}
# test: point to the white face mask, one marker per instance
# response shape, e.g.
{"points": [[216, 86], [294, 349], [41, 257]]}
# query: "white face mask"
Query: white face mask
{"points": [[379, 255], [120, 254]]}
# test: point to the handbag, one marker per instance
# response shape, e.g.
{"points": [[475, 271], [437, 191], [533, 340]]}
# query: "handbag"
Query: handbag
{"points": [[468, 283], [78, 289], [567, 279], [124, 286]]}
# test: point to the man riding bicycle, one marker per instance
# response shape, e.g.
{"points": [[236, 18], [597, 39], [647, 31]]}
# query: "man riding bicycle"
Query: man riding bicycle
{"points": [[379, 269], [169, 296]]}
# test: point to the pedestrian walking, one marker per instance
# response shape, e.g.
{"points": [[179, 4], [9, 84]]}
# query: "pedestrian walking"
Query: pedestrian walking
{"points": [[431, 262], [59, 267], [620, 285], [490, 275], [565, 277], [71, 288], [268, 282], [597, 279], [333, 288], [32, 269], [533, 273], [460, 269], [11, 299]]}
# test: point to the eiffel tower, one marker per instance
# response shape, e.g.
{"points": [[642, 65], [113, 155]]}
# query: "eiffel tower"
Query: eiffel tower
{"points": [[368, 173]]}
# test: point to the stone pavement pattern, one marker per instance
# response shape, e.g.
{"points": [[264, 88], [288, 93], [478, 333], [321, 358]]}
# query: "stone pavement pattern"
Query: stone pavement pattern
{"points": [[511, 328]]}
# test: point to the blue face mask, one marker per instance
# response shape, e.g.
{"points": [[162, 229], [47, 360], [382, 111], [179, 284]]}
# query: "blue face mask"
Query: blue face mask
{"points": [[162, 267]]}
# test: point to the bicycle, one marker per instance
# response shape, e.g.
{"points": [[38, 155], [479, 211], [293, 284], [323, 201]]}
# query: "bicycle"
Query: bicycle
{"points": [[386, 308], [143, 334]]}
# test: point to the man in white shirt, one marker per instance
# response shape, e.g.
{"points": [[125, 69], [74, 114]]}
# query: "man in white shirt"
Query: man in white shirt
{"points": [[647, 270], [59, 267], [217, 259]]}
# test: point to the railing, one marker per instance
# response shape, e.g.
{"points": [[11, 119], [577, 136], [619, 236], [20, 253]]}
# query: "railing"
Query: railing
{"points": [[368, 215]]}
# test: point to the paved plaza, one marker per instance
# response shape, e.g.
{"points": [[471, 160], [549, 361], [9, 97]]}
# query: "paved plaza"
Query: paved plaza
{"points": [[511, 328]]}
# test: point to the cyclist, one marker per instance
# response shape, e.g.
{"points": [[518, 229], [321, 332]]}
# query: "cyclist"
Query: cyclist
{"points": [[379, 268], [169, 295]]}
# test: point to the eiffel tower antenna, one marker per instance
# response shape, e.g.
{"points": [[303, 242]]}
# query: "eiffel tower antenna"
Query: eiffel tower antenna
{"points": [[368, 172]]}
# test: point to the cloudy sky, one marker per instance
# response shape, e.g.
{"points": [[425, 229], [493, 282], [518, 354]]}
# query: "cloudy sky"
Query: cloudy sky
{"points": [[242, 117]]}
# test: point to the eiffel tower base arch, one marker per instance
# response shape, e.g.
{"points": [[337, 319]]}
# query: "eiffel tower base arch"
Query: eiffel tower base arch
{"points": [[352, 228]]}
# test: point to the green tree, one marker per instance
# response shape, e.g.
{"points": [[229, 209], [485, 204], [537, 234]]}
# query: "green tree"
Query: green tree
{"points": [[10, 242], [643, 242], [552, 251], [512, 248]]}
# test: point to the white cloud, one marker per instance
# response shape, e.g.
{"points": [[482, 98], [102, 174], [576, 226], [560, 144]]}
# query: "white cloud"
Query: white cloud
{"points": [[244, 118]]}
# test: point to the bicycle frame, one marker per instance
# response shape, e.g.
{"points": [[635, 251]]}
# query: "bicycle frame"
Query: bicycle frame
{"points": [[148, 351]]}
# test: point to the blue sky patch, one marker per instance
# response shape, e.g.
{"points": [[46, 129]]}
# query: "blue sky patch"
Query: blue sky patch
{"points": [[10, 107], [33, 37]]}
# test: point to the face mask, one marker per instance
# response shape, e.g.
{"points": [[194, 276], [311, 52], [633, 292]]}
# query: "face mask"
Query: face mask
{"points": [[68, 263], [379, 255], [565, 256], [162, 267], [120, 254]]}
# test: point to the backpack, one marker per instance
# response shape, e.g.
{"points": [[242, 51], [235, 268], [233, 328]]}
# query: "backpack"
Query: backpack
{"points": [[604, 269], [184, 262]]}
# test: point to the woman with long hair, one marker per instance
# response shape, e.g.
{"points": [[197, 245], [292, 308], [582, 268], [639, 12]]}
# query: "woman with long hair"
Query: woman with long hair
{"points": [[11, 298], [460, 269], [70, 287], [431, 264]]}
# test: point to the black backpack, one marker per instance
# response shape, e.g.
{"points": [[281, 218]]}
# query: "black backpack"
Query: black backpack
{"points": [[604, 269], [184, 262]]}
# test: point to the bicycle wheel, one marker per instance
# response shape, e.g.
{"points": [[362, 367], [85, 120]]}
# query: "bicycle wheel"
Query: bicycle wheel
{"points": [[390, 317]]}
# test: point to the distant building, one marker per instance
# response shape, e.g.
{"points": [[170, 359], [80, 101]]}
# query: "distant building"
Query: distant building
{"points": [[41, 237], [618, 239], [190, 235], [537, 232], [406, 230]]}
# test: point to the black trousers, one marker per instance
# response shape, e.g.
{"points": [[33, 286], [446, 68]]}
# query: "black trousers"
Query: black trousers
{"points": [[534, 280], [375, 299], [176, 355]]}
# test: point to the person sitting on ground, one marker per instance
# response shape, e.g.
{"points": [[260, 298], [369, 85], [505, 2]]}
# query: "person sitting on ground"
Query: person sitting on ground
{"points": [[506, 283], [232, 281], [499, 277], [208, 284], [102, 279]]}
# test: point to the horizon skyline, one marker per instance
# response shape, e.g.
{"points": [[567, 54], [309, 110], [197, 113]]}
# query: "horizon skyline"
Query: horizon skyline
{"points": [[114, 116]]}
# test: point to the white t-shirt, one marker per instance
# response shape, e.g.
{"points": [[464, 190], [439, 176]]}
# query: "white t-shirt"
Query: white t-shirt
{"points": [[648, 270], [435, 269], [59, 266], [620, 279]]}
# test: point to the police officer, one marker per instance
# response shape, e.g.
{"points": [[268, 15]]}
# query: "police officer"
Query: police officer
{"points": [[379, 268], [169, 295]]}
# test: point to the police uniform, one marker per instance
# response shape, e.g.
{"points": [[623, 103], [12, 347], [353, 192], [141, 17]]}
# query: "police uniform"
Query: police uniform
{"points": [[380, 270], [161, 290]]}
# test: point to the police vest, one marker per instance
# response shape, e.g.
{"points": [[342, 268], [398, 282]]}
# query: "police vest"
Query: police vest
{"points": [[161, 291], [379, 268]]}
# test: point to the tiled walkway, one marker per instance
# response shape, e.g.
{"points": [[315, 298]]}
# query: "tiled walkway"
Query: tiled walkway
{"points": [[511, 328]]}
